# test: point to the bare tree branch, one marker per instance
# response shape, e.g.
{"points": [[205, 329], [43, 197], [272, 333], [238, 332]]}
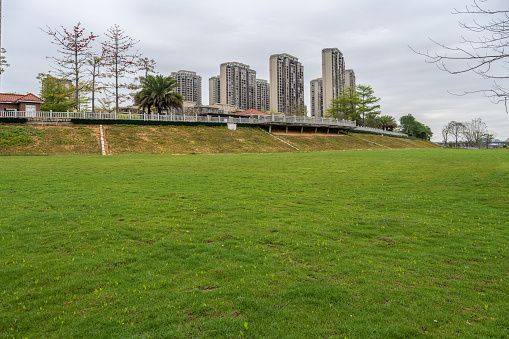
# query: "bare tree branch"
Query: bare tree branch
{"points": [[118, 58], [73, 49], [487, 55]]}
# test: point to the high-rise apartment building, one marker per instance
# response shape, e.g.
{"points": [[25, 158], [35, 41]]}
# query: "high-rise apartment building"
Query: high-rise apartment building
{"points": [[286, 83], [237, 83], [317, 98], [262, 95], [333, 75], [214, 90], [350, 78], [189, 85]]}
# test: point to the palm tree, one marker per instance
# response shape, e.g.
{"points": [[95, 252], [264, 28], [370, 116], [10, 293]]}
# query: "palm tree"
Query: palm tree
{"points": [[387, 123], [159, 91]]}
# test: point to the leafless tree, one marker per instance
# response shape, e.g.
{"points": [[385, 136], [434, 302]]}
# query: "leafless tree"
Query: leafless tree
{"points": [[474, 132], [191, 111], [487, 54], [446, 130], [146, 65], [3, 61], [488, 138], [120, 61], [456, 130], [95, 63], [106, 105], [74, 48]]}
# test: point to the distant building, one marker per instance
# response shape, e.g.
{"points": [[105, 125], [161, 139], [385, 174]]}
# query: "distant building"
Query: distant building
{"points": [[190, 108], [213, 110], [262, 95], [350, 78], [286, 83], [189, 85], [28, 103], [251, 113], [237, 85], [224, 108], [317, 98], [333, 75], [214, 90]]}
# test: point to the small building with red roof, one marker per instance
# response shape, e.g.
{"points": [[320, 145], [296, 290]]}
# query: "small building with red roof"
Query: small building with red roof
{"points": [[18, 102]]}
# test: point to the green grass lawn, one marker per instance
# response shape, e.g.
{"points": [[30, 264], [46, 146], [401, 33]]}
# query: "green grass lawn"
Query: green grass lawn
{"points": [[367, 244]]}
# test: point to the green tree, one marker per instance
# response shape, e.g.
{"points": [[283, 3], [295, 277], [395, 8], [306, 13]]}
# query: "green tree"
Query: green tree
{"points": [[367, 106], [159, 92], [299, 110], [344, 106], [387, 123], [414, 128], [57, 93]]}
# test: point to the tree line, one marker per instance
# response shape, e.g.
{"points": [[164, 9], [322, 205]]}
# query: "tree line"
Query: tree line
{"points": [[80, 71], [360, 104], [474, 133]]}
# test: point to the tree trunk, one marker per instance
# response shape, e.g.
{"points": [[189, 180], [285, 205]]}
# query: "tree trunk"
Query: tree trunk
{"points": [[116, 77]]}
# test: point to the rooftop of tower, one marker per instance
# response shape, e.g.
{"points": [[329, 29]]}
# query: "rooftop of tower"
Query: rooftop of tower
{"points": [[285, 55], [235, 63], [332, 49]]}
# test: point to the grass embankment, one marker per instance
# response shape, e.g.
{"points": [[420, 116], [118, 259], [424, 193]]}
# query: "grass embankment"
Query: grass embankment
{"points": [[164, 139], [382, 244], [352, 141], [48, 140]]}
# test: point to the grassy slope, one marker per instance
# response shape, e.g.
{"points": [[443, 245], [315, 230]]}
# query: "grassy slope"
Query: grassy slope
{"points": [[396, 143], [135, 139], [48, 140], [382, 244]]}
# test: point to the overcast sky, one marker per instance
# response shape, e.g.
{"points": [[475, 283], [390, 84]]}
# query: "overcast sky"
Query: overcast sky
{"points": [[199, 35]]}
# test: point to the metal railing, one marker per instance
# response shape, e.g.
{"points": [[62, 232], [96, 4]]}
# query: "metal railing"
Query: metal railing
{"points": [[379, 131], [258, 120], [179, 118]]}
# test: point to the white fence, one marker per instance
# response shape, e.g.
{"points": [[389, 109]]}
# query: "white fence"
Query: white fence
{"points": [[258, 120], [379, 131], [179, 118]]}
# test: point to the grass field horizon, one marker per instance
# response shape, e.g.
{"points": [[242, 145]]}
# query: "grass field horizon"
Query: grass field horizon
{"points": [[378, 244]]}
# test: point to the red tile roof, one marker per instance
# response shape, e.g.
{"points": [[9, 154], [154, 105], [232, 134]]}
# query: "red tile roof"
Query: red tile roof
{"points": [[16, 98], [251, 111]]}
